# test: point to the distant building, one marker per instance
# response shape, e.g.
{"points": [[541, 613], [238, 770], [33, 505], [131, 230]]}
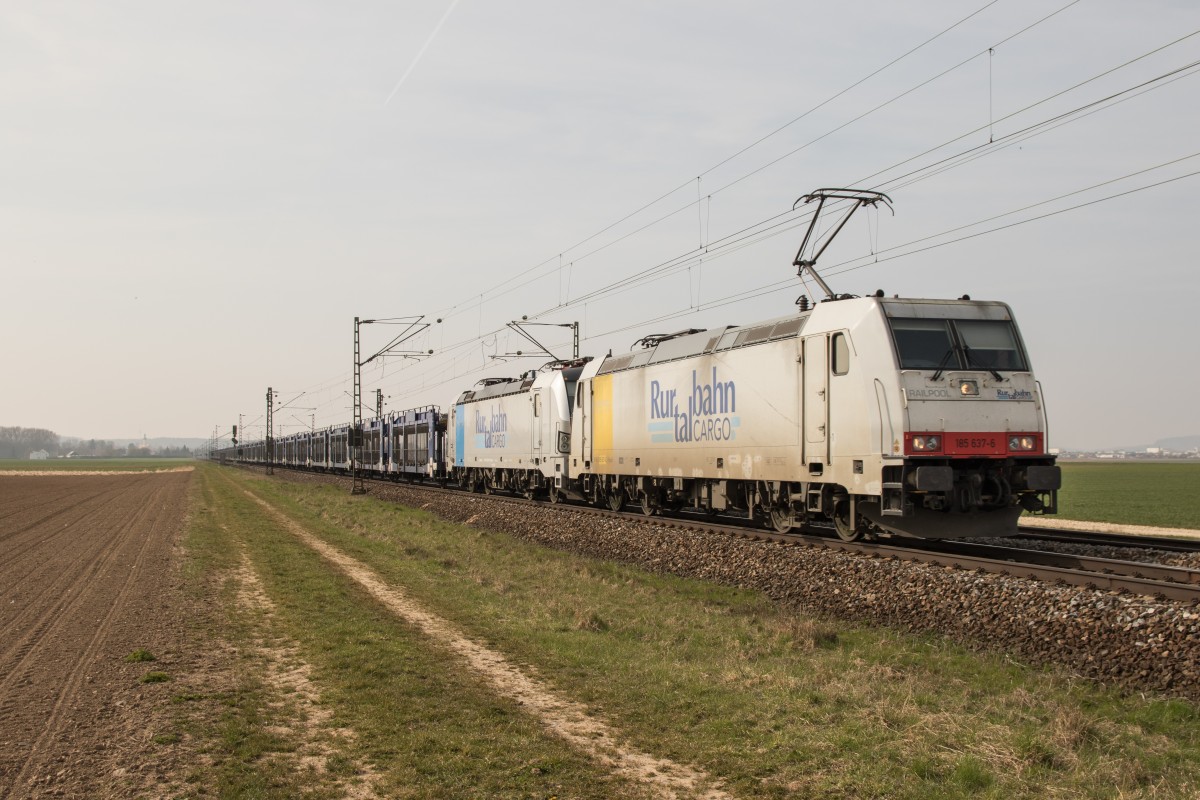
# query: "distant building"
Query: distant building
{"points": [[39, 455]]}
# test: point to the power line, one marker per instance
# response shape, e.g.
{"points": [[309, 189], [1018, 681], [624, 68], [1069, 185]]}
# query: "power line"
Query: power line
{"points": [[780, 223], [686, 258], [454, 309], [792, 152], [681, 260]]}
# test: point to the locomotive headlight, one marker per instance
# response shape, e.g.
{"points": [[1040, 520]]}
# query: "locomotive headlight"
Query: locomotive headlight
{"points": [[926, 444], [1019, 444], [969, 388]]}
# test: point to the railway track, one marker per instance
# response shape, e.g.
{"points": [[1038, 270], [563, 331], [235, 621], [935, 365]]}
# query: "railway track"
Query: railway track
{"points": [[1152, 580], [1170, 544]]}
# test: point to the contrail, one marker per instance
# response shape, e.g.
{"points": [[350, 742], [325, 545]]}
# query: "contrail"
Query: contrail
{"points": [[421, 52]]}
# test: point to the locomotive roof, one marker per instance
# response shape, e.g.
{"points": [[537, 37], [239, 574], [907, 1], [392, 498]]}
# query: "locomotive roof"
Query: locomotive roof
{"points": [[708, 341], [789, 327], [921, 307], [498, 388]]}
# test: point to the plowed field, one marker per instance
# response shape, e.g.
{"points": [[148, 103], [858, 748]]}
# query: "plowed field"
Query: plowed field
{"points": [[86, 579]]}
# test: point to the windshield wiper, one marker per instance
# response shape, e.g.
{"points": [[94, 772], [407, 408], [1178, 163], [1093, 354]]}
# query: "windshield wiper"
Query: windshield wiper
{"points": [[995, 374], [941, 367]]}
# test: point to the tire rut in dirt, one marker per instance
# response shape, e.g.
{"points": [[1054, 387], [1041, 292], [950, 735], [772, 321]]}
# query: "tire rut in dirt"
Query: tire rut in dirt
{"points": [[40, 584], [16, 503], [62, 635], [23, 519]]}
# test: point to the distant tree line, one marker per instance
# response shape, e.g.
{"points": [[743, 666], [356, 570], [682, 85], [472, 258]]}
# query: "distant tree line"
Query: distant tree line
{"points": [[93, 448], [20, 442]]}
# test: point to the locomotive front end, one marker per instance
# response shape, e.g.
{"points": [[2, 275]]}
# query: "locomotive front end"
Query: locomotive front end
{"points": [[973, 453]]}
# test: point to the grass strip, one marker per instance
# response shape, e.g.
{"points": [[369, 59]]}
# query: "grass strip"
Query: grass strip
{"points": [[428, 726], [774, 703], [230, 718]]}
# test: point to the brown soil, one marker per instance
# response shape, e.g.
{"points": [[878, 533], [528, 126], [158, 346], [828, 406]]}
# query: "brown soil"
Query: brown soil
{"points": [[89, 574]]}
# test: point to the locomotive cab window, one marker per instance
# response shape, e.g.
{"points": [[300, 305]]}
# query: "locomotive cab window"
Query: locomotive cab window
{"points": [[990, 344], [537, 405], [974, 344], [840, 354], [924, 343]]}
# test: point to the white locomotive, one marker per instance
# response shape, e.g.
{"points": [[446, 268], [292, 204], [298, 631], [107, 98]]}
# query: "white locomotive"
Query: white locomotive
{"points": [[513, 434], [878, 415]]}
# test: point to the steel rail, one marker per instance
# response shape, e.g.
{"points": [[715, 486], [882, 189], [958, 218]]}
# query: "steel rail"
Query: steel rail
{"points": [[1113, 566], [1172, 544]]}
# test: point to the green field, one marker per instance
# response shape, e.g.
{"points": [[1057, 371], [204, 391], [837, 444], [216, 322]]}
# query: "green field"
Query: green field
{"points": [[773, 704], [88, 464], [1132, 493]]}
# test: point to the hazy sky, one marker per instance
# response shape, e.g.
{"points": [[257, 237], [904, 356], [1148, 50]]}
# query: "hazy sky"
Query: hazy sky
{"points": [[197, 199]]}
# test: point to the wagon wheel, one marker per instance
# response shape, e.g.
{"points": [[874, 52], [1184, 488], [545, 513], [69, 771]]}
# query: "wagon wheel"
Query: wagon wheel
{"points": [[847, 531], [780, 519]]}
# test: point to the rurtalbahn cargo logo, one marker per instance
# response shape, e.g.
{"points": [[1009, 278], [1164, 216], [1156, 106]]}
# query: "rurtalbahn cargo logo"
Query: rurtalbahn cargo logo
{"points": [[708, 416], [491, 429]]}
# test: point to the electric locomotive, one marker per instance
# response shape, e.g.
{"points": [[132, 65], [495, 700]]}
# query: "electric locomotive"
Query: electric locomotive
{"points": [[513, 434], [874, 415]]}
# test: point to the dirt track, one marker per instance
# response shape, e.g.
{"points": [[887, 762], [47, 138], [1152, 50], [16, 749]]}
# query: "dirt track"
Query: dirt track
{"points": [[86, 578]]}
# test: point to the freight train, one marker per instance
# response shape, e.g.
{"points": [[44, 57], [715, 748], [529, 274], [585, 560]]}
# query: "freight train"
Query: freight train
{"points": [[873, 416], [869, 415]]}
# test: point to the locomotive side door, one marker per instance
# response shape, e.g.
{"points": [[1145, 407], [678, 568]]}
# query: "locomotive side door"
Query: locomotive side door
{"points": [[581, 427], [539, 420], [816, 399]]}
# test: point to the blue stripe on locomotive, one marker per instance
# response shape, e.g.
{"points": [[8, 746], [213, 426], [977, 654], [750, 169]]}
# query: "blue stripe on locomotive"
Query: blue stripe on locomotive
{"points": [[460, 437]]}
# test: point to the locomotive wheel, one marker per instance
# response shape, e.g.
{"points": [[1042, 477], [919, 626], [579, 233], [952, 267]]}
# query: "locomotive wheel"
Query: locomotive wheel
{"points": [[555, 495], [780, 519], [648, 508], [847, 531], [616, 499]]}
